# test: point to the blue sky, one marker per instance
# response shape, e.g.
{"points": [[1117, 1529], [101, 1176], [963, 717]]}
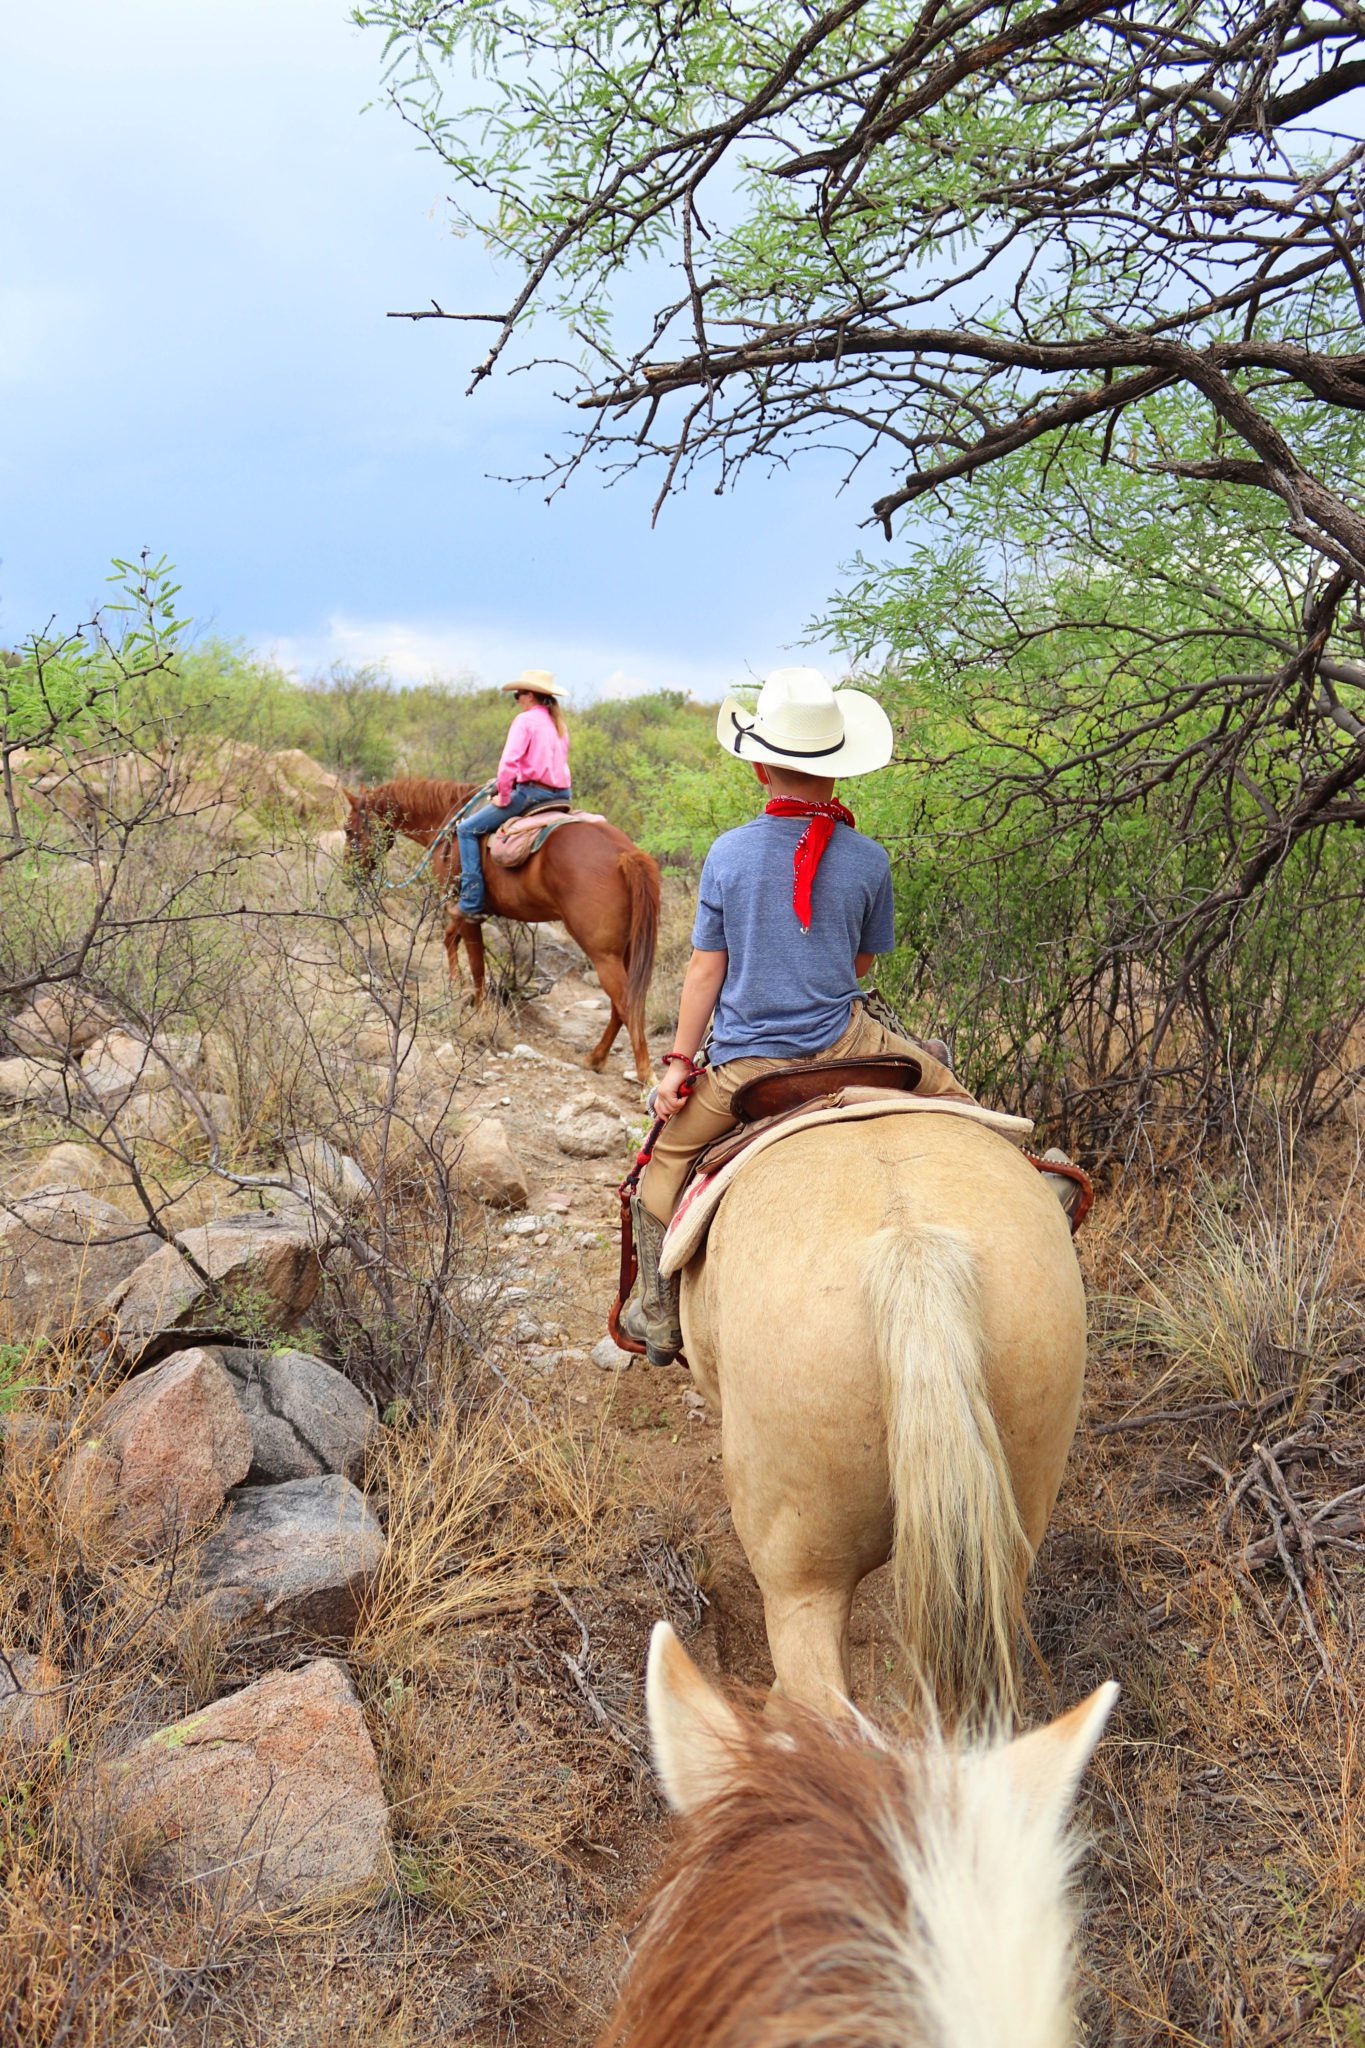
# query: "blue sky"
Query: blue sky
{"points": [[201, 235]]}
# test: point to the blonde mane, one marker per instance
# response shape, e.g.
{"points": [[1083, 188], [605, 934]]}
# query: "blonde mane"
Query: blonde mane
{"points": [[838, 1891]]}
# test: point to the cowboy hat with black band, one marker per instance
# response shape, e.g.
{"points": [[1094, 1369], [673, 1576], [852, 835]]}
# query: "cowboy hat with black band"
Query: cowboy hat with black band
{"points": [[801, 723]]}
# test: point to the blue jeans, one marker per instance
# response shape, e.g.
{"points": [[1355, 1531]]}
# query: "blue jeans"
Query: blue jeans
{"points": [[478, 824]]}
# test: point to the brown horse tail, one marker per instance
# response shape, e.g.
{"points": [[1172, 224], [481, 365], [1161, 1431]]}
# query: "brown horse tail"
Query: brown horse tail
{"points": [[959, 1554], [641, 872]]}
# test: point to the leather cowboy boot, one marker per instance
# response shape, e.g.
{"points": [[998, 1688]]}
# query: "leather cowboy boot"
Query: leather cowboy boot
{"points": [[652, 1318], [1065, 1189]]}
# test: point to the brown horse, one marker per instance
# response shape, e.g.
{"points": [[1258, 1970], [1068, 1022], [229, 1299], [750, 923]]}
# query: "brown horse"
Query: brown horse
{"points": [[830, 1886], [599, 884]]}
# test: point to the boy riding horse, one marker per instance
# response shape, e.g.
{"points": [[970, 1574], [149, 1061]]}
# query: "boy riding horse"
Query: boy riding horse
{"points": [[792, 909]]}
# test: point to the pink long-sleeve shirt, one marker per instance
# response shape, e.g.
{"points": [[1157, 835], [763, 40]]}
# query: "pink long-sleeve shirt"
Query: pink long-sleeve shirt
{"points": [[535, 752]]}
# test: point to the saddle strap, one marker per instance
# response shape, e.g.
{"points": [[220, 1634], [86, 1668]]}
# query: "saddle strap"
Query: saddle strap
{"points": [[625, 1280], [630, 1264]]}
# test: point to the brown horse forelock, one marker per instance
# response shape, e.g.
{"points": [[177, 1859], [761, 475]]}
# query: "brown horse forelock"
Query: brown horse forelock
{"points": [[778, 1920]]}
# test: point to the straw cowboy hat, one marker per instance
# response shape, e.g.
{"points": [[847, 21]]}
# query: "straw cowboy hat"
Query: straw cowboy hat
{"points": [[538, 679], [799, 722]]}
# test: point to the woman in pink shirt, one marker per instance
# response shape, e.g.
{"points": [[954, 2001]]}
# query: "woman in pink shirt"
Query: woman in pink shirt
{"points": [[534, 767]]}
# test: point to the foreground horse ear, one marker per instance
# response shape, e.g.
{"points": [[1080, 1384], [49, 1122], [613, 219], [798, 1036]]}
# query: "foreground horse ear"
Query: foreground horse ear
{"points": [[692, 1730], [1044, 1768]]}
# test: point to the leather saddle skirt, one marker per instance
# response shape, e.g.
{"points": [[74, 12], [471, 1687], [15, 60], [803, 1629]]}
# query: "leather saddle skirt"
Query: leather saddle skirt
{"points": [[810, 1081]]}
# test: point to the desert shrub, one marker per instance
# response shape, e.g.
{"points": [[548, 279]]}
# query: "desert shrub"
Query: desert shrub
{"points": [[1259, 1293]]}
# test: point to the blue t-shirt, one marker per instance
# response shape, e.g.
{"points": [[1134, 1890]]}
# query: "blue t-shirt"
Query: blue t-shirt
{"points": [[788, 992]]}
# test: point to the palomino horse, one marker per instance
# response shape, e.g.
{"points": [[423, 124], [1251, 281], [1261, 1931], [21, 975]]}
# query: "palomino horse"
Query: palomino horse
{"points": [[889, 1317], [831, 1888], [602, 886]]}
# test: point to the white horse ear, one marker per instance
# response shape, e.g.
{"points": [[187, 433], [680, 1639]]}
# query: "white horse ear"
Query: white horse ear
{"points": [[1044, 1768], [692, 1729]]}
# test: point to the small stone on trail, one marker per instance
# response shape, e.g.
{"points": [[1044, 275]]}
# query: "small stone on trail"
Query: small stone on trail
{"points": [[521, 1226], [489, 1169], [589, 1127], [557, 1201], [607, 1354]]}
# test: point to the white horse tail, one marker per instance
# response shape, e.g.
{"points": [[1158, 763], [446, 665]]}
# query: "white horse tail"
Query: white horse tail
{"points": [[960, 1555]]}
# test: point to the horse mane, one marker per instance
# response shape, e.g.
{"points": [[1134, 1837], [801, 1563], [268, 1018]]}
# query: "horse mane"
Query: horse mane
{"points": [[844, 1893], [416, 799]]}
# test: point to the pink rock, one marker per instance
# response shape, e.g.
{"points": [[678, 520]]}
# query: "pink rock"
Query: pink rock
{"points": [[160, 1455], [270, 1796]]}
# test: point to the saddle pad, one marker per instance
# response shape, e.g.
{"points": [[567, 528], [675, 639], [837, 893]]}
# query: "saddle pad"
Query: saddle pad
{"points": [[512, 845], [692, 1219]]}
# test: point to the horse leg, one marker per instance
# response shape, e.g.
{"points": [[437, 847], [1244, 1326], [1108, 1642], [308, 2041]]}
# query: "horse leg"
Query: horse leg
{"points": [[473, 945], [611, 973], [644, 1065], [807, 1559], [468, 929], [453, 934], [808, 1628]]}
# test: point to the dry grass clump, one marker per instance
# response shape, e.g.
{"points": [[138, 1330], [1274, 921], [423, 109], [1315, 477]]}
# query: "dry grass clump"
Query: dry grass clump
{"points": [[1260, 1294], [499, 1653]]}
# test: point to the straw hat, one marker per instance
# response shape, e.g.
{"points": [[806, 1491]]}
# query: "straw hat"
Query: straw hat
{"points": [[799, 722], [538, 679]]}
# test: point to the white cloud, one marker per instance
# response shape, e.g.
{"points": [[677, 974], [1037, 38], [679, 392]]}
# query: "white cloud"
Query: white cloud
{"points": [[417, 651]]}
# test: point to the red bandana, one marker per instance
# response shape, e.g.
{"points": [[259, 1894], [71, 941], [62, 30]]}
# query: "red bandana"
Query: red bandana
{"points": [[811, 845]]}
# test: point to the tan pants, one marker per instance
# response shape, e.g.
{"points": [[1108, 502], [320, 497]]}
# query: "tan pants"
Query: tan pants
{"points": [[706, 1114]]}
